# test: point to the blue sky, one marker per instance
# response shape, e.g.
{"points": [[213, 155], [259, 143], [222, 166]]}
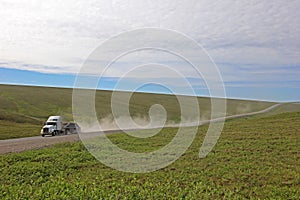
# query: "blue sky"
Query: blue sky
{"points": [[24, 77], [255, 44]]}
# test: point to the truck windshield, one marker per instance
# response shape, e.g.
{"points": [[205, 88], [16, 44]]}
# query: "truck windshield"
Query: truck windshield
{"points": [[51, 123]]}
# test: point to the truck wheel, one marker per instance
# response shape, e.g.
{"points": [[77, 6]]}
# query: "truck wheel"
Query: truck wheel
{"points": [[53, 134], [43, 135]]}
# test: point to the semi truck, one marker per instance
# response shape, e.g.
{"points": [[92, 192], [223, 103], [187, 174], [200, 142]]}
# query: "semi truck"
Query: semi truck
{"points": [[55, 126]]}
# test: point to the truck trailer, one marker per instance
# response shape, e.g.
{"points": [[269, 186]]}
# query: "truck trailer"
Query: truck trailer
{"points": [[55, 126]]}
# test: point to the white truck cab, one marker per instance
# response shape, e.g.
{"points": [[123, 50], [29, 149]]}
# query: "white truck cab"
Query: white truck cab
{"points": [[53, 126]]}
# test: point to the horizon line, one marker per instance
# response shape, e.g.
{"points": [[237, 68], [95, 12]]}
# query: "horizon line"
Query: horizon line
{"points": [[144, 92]]}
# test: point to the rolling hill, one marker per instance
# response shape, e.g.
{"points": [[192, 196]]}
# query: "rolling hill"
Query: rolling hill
{"points": [[23, 109]]}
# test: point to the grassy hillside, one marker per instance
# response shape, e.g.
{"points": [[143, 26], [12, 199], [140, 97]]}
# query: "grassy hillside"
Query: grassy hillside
{"points": [[253, 159], [10, 129], [24, 103], [31, 106]]}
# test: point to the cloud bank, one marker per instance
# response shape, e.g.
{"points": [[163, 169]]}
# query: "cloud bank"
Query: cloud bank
{"points": [[253, 42]]}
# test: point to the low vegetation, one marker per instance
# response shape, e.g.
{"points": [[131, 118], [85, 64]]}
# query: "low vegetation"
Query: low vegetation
{"points": [[255, 158], [25, 105], [11, 130]]}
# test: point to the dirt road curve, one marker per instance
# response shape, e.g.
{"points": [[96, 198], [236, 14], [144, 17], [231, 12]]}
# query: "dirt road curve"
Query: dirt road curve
{"points": [[23, 144]]}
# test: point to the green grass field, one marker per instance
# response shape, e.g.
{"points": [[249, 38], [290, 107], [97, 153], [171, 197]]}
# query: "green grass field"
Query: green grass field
{"points": [[255, 158], [10, 129], [29, 107]]}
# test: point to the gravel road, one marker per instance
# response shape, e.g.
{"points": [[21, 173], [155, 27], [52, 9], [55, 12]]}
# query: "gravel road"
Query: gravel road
{"points": [[23, 144], [37, 142]]}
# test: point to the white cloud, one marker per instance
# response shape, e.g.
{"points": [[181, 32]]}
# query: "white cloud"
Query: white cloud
{"points": [[55, 36]]}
